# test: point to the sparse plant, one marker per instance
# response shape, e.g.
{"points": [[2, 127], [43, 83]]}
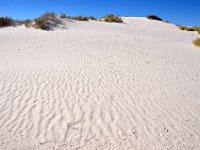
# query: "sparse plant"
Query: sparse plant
{"points": [[92, 18], [186, 28], [6, 21], [112, 18], [80, 18], [190, 28], [63, 16], [43, 22], [197, 29], [153, 17], [197, 42], [27, 23]]}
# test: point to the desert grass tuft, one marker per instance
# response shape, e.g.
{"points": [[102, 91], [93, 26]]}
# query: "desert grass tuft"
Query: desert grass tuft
{"points": [[197, 42], [112, 18]]}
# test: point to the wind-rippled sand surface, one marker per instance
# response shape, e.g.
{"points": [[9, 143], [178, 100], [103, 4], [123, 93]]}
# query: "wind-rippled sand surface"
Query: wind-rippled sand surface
{"points": [[98, 85]]}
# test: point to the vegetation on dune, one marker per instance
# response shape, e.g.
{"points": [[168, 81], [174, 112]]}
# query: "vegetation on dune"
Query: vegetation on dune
{"points": [[6, 21], [186, 28], [197, 42], [48, 20], [153, 17], [92, 18], [112, 18], [43, 22], [78, 18], [190, 28], [81, 18], [27, 23], [197, 29], [63, 16]]}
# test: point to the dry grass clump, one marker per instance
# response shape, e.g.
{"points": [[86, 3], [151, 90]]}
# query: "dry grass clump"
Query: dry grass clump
{"points": [[6, 21], [153, 17], [46, 21], [112, 18], [197, 42]]}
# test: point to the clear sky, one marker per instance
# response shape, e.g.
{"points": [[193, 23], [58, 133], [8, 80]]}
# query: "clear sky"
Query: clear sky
{"points": [[185, 12]]}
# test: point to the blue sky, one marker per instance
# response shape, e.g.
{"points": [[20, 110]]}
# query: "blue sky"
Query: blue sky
{"points": [[183, 12]]}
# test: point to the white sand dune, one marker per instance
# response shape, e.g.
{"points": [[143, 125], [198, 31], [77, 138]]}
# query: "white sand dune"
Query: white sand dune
{"points": [[99, 85]]}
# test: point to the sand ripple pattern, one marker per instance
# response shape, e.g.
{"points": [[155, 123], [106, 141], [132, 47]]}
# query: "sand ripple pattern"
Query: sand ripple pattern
{"points": [[99, 86]]}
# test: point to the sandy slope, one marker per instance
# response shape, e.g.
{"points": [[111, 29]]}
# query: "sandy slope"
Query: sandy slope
{"points": [[100, 86]]}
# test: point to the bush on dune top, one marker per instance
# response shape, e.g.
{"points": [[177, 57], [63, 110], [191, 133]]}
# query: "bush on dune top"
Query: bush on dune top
{"points": [[153, 17], [112, 18], [43, 22]]}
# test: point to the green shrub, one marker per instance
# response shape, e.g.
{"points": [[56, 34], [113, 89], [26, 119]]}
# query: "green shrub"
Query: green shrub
{"points": [[43, 22], [48, 15], [112, 18], [197, 42], [153, 17], [6, 21]]}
